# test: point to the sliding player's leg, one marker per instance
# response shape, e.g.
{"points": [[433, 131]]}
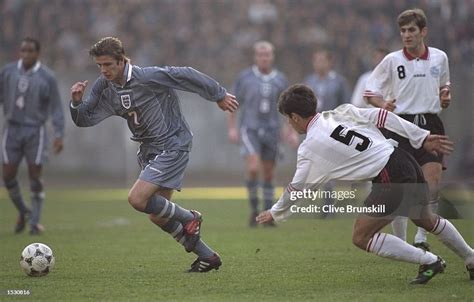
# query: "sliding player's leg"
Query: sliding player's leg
{"points": [[447, 233]]}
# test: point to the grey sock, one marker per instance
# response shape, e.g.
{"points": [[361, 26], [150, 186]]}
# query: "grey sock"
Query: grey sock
{"points": [[15, 195], [37, 199], [202, 250], [268, 194], [163, 208], [175, 229], [252, 190]]}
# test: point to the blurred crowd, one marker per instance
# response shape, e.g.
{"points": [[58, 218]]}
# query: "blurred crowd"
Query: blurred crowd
{"points": [[215, 36]]}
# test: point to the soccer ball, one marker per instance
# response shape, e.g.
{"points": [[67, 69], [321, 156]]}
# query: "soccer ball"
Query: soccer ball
{"points": [[37, 260]]}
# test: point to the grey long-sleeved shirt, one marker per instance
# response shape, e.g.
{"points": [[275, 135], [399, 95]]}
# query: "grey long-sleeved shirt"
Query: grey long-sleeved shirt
{"points": [[149, 103]]}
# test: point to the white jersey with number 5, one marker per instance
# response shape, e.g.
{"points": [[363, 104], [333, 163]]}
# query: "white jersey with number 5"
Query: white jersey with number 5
{"points": [[414, 83], [345, 144]]}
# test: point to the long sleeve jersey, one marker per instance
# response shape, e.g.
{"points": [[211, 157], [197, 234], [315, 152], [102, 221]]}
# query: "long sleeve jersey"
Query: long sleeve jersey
{"points": [[345, 144], [149, 103]]}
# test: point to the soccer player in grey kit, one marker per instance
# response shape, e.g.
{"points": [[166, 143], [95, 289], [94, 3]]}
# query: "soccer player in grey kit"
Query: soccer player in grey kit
{"points": [[257, 88], [146, 98], [29, 94]]}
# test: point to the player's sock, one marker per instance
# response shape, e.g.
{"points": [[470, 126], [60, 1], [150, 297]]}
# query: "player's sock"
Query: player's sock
{"points": [[392, 247], [163, 208], [37, 199], [449, 235], [203, 250], [252, 190], [421, 233], [399, 227], [176, 230], [14, 192], [268, 194]]}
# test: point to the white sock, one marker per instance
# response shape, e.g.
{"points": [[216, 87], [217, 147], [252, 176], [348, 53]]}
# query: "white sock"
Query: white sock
{"points": [[399, 227], [389, 246], [420, 236], [421, 233], [449, 235]]}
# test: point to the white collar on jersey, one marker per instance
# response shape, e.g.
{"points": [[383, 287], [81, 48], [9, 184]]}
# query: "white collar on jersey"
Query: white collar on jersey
{"points": [[264, 77], [127, 72], [312, 121], [34, 69]]}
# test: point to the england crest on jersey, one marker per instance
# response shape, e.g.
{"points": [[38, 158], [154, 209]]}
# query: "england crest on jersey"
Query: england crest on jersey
{"points": [[23, 84], [126, 101]]}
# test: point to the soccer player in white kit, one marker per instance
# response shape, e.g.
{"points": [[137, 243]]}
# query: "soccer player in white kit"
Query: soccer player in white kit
{"points": [[414, 83], [346, 144]]}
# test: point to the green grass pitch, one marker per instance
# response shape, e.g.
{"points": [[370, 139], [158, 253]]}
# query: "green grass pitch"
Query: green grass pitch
{"points": [[106, 251]]}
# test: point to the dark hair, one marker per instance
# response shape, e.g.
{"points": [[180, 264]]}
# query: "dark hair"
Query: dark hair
{"points": [[299, 99], [34, 41], [109, 46], [412, 15]]}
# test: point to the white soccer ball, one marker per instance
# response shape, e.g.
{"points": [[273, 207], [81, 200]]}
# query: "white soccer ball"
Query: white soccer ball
{"points": [[37, 260]]}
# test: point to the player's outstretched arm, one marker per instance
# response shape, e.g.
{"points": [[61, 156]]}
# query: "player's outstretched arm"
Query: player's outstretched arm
{"points": [[228, 103], [378, 101], [438, 144], [390, 121]]}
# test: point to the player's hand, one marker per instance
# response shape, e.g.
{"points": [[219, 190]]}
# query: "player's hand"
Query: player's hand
{"points": [[77, 91], [264, 217], [389, 105], [58, 145], [228, 103], [438, 144], [445, 97], [233, 134]]}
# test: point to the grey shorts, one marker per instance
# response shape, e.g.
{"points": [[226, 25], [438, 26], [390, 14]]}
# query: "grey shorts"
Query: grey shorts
{"points": [[263, 142], [162, 168], [24, 141]]}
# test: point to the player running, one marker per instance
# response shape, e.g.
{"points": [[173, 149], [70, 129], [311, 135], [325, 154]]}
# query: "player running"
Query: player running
{"points": [[146, 98], [345, 144]]}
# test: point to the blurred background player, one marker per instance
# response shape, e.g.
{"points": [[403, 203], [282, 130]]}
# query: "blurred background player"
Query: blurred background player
{"points": [[330, 87], [257, 88], [29, 94], [357, 98], [417, 77], [146, 98], [332, 90]]}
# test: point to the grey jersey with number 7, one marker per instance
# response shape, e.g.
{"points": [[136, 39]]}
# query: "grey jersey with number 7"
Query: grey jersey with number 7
{"points": [[149, 103]]}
